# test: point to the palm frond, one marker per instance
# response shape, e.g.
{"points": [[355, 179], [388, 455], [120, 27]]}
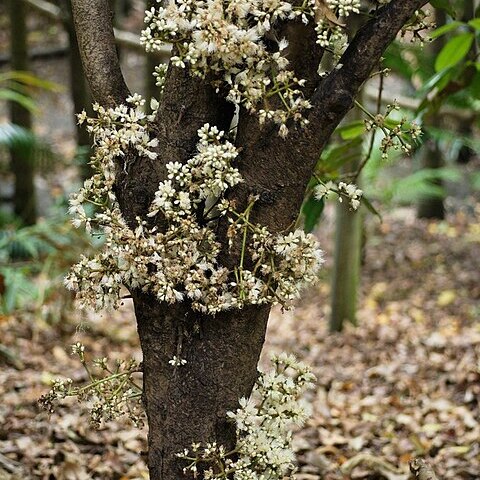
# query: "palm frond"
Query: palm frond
{"points": [[26, 143]]}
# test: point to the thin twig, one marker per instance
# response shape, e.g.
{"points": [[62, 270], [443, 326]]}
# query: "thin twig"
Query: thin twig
{"points": [[372, 138], [422, 470]]}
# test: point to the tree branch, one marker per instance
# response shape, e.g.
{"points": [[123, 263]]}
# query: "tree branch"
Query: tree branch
{"points": [[93, 24], [48, 9], [279, 169], [336, 94]]}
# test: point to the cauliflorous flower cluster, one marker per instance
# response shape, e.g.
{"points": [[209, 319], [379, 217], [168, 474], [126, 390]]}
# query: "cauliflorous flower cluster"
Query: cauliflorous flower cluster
{"points": [[181, 261], [344, 190], [419, 24], [111, 391], [115, 131], [228, 39], [264, 437], [331, 33], [396, 135], [344, 7]]}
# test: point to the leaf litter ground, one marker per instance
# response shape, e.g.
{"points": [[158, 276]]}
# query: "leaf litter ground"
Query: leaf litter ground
{"points": [[405, 383]]}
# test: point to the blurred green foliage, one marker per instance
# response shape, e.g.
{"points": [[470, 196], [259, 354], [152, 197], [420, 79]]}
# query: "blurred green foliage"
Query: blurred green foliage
{"points": [[24, 142], [16, 87], [449, 79], [33, 262]]}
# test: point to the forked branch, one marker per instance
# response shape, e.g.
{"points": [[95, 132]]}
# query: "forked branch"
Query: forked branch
{"points": [[335, 95], [267, 165]]}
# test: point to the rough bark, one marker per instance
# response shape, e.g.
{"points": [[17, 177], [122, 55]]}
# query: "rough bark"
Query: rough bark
{"points": [[21, 160], [93, 25], [188, 403]]}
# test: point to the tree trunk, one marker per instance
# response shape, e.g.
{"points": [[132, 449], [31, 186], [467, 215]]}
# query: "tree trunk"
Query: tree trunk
{"points": [[431, 206], [348, 242], [431, 154], [21, 160], [188, 403], [465, 127], [80, 92], [346, 270]]}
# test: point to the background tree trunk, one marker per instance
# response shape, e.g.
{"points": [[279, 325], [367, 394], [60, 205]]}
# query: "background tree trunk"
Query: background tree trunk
{"points": [[21, 160], [80, 92], [348, 248], [432, 158], [346, 267], [465, 127], [431, 154]]}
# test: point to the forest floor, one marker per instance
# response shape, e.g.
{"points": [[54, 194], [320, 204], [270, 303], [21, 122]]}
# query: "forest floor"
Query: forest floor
{"points": [[405, 383]]}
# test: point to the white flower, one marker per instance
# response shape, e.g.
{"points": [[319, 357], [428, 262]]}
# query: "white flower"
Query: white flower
{"points": [[183, 261], [177, 361], [78, 349], [228, 38], [264, 440]]}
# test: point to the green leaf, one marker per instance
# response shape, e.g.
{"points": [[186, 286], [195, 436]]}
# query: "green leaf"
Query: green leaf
{"points": [[18, 287], [475, 23], [23, 100], [28, 78], [370, 207], [352, 130], [438, 32], [423, 183], [312, 210], [394, 60], [435, 80], [447, 135], [27, 144], [444, 5], [338, 155], [454, 51]]}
